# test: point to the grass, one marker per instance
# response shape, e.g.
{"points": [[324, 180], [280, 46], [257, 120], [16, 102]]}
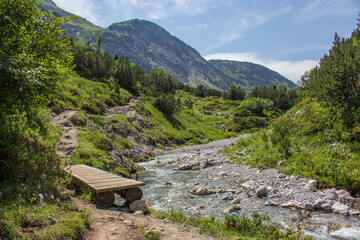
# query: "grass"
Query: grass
{"points": [[233, 226], [77, 93], [21, 220]]}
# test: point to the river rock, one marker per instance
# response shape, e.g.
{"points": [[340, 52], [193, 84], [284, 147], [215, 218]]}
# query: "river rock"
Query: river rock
{"points": [[345, 198], [326, 207], [331, 195], [288, 205], [186, 167], [139, 205], [228, 198], [203, 191], [309, 206], [261, 191], [233, 208], [319, 203], [339, 207], [311, 185]]}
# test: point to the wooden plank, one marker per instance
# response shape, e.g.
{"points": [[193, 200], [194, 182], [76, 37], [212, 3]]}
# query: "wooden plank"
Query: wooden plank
{"points": [[99, 180]]}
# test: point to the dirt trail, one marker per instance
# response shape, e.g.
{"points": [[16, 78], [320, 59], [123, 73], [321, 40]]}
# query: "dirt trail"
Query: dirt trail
{"points": [[113, 224], [69, 137]]}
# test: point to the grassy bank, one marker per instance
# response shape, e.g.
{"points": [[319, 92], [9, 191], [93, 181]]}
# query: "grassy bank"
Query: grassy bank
{"points": [[233, 226]]}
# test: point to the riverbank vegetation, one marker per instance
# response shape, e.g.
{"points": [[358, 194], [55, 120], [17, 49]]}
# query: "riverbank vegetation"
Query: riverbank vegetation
{"points": [[319, 137], [234, 226]]}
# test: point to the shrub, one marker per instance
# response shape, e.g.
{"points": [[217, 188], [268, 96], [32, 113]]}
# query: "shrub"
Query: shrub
{"points": [[168, 104]]}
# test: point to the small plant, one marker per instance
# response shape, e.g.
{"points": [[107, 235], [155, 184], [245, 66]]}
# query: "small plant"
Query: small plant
{"points": [[153, 235]]}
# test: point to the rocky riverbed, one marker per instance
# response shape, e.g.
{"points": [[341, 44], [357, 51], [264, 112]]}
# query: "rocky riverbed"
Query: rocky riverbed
{"points": [[198, 179]]}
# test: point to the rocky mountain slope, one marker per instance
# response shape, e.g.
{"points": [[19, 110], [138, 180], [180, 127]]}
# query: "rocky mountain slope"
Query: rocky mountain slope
{"points": [[148, 44]]}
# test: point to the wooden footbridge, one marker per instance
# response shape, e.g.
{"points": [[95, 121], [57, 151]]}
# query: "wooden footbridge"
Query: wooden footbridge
{"points": [[104, 184]]}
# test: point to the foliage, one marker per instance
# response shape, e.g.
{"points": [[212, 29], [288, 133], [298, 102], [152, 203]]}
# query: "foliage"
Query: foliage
{"points": [[337, 79], [25, 158], [234, 93], [234, 226], [311, 141], [249, 110], [31, 221], [282, 98], [168, 104], [32, 51]]}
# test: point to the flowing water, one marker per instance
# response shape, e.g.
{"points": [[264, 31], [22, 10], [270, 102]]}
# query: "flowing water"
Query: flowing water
{"points": [[168, 189]]}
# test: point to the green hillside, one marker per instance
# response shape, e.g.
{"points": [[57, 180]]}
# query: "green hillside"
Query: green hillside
{"points": [[250, 75]]}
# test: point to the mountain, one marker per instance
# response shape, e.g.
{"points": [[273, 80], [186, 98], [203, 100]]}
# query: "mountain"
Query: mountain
{"points": [[250, 75], [148, 44]]}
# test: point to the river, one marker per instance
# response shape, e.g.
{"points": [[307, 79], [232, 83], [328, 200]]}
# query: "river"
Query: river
{"points": [[168, 188]]}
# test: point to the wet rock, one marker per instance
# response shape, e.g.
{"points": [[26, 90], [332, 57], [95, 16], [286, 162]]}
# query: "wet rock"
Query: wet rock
{"points": [[261, 191], [139, 205]]}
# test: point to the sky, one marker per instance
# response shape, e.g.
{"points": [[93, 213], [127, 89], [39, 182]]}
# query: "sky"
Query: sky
{"points": [[287, 36]]}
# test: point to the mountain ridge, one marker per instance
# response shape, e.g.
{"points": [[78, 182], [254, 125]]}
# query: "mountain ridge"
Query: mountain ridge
{"points": [[148, 44]]}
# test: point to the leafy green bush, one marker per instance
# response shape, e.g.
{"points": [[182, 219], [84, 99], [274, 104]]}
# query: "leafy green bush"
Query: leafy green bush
{"points": [[168, 104], [24, 157]]}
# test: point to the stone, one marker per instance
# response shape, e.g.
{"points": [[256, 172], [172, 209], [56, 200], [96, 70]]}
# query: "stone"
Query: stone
{"points": [[203, 191], [287, 205], [52, 220], [235, 201], [326, 207], [222, 174], [281, 175], [274, 191], [339, 207], [261, 191], [233, 208], [139, 205], [309, 206], [311, 185], [186, 167], [331, 195], [139, 213], [228, 198], [319, 203]]}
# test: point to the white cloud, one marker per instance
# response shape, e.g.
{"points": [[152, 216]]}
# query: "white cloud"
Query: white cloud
{"points": [[292, 70], [82, 8]]}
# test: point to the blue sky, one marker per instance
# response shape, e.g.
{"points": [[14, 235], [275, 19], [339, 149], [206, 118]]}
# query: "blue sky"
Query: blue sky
{"points": [[288, 36]]}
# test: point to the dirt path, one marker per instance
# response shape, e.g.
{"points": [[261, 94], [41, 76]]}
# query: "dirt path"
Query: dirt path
{"points": [[113, 224], [69, 137]]}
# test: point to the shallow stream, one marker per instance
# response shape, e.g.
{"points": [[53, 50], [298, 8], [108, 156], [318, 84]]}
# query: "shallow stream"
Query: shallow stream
{"points": [[166, 189]]}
